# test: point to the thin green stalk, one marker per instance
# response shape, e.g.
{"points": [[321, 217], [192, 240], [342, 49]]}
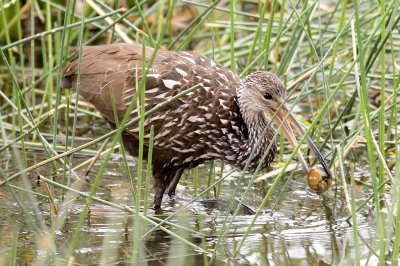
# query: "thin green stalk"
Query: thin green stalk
{"points": [[169, 28], [358, 48], [66, 116], [195, 181], [115, 4], [267, 38], [396, 242], [396, 193], [49, 46], [211, 177], [357, 258], [203, 241], [22, 60], [144, 23], [64, 45], [148, 171], [20, 125], [47, 95], [32, 55], [13, 255], [353, 209], [122, 147], [281, 146], [77, 88], [140, 89], [219, 187], [336, 44], [381, 135], [278, 41], [160, 23], [232, 33]]}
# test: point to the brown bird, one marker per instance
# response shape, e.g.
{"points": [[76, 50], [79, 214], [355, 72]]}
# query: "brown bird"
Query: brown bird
{"points": [[221, 120]]}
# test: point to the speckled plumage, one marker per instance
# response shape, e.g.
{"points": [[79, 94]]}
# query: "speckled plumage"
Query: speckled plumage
{"points": [[220, 120]]}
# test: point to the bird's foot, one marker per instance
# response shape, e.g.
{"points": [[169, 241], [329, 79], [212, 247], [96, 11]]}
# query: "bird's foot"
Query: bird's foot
{"points": [[157, 203], [171, 200], [157, 209]]}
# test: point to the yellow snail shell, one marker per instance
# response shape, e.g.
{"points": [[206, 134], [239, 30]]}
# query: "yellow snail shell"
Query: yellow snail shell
{"points": [[318, 180]]}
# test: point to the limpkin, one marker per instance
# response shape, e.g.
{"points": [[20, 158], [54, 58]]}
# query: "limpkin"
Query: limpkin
{"points": [[223, 119]]}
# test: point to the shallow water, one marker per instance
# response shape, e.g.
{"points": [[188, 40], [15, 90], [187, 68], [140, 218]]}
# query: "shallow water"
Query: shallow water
{"points": [[297, 227]]}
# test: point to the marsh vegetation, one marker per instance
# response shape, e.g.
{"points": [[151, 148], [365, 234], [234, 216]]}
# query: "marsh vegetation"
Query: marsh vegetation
{"points": [[70, 193]]}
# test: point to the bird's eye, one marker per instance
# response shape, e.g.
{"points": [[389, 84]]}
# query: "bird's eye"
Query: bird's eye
{"points": [[268, 96]]}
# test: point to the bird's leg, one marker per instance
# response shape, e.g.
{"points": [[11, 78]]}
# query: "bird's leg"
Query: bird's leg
{"points": [[160, 185], [172, 186]]}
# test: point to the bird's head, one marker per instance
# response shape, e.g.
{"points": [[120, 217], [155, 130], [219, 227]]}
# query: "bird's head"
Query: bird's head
{"points": [[263, 95]]}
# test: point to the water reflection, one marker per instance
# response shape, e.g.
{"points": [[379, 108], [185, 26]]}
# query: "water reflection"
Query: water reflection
{"points": [[297, 227]]}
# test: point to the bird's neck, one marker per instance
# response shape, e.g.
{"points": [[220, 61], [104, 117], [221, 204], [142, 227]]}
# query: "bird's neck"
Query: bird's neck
{"points": [[256, 123]]}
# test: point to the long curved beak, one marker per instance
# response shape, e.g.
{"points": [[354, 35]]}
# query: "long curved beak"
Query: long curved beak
{"points": [[291, 124]]}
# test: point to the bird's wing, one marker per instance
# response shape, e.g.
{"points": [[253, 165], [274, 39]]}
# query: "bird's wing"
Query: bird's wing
{"points": [[107, 74], [111, 73]]}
